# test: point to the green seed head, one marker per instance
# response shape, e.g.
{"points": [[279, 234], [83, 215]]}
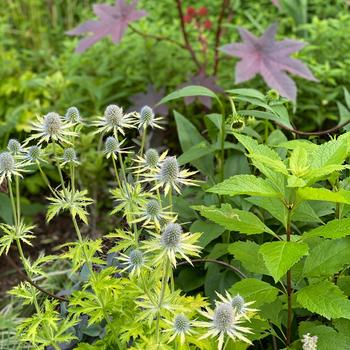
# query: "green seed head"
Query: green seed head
{"points": [[52, 123], [111, 145], [238, 304], [181, 324], [136, 258], [7, 162], [223, 317], [273, 94], [14, 146], [171, 235], [169, 170], [33, 153], [153, 208], [113, 115], [146, 115], [69, 155], [72, 115], [151, 157], [237, 123]]}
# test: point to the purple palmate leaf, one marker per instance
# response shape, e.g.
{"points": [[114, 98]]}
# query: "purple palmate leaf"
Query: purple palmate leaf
{"points": [[113, 22], [203, 80], [270, 59], [150, 98]]}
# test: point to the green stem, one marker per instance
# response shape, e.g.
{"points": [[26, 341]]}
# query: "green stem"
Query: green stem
{"points": [[14, 212], [18, 199], [222, 142], [289, 282], [72, 176], [46, 180], [58, 167], [116, 173], [143, 140]]}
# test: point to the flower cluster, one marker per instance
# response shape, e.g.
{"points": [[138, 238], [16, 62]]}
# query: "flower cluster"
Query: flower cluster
{"points": [[199, 16]]}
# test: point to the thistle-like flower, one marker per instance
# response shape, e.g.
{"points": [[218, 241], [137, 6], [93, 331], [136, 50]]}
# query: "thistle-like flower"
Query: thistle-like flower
{"points": [[14, 146], [170, 176], [114, 120], [153, 215], [149, 163], [133, 262], [241, 307], [72, 115], [70, 156], [113, 147], [10, 166], [33, 154], [148, 118], [224, 320], [309, 342], [173, 243], [181, 327], [51, 127]]}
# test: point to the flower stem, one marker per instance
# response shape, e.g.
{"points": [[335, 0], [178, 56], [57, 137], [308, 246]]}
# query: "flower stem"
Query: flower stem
{"points": [[289, 282], [58, 167], [222, 142], [46, 180]]}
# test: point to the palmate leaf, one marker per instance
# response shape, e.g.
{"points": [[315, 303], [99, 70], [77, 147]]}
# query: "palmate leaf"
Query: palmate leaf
{"points": [[245, 184], [113, 21], [279, 257], [327, 258], [325, 299], [234, 219], [270, 59]]}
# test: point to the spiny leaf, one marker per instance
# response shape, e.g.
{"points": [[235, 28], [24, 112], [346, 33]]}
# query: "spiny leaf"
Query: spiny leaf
{"points": [[279, 257]]}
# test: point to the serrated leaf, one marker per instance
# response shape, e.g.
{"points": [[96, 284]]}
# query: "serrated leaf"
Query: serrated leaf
{"points": [[325, 299], [248, 254], [327, 258], [323, 194], [210, 231], [252, 289], [336, 228], [234, 219], [245, 184], [279, 257]]}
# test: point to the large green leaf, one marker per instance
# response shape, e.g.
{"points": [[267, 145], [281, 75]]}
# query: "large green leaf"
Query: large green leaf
{"points": [[248, 254], [5, 208], [336, 228], [189, 136], [245, 184], [325, 299], [323, 194], [280, 256], [327, 258], [210, 231], [252, 289], [192, 90], [234, 219]]}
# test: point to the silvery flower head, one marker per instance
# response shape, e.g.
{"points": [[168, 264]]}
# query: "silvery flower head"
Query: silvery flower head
{"points": [[9, 166], [70, 156], [113, 147], [309, 342], [180, 327], [148, 118], [115, 120], [33, 153], [151, 158], [149, 162], [72, 115], [51, 127], [171, 236], [133, 262], [14, 146]]}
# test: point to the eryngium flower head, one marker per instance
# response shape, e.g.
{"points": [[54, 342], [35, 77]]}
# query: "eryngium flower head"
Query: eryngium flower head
{"points": [[133, 262], [170, 176], [114, 120], [51, 127], [149, 162], [224, 321], [70, 156], [151, 158], [173, 243], [9, 166], [33, 153], [153, 208], [147, 118], [309, 342], [180, 326], [113, 147], [14, 146], [238, 303], [72, 115]]}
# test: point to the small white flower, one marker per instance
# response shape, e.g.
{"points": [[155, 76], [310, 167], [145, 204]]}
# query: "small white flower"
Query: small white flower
{"points": [[309, 342], [181, 326]]}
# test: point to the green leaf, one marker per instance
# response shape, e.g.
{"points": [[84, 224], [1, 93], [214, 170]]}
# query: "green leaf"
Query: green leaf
{"points": [[5, 208], [248, 254], [327, 258], [189, 137], [195, 152], [210, 231], [252, 289], [280, 256], [193, 90], [233, 219], [325, 299], [248, 93], [336, 228], [245, 184], [323, 194]]}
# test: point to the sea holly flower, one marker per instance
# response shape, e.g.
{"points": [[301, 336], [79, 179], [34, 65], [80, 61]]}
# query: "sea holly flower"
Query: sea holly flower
{"points": [[133, 262], [14, 146], [113, 147], [170, 176], [149, 162], [51, 127], [115, 120], [72, 115], [113, 21], [181, 327], [70, 156], [173, 243], [10, 166], [148, 118], [224, 320], [309, 342], [270, 59]]}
